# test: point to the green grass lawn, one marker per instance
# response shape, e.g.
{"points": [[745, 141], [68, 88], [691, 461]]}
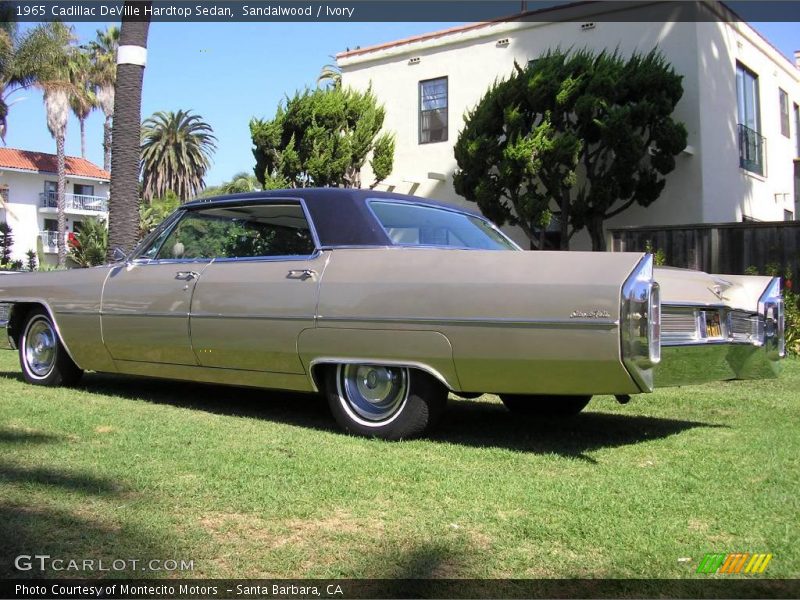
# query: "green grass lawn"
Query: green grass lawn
{"points": [[247, 483]]}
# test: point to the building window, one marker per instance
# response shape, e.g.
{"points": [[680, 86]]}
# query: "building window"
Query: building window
{"points": [[751, 142], [797, 129], [433, 110], [783, 99], [788, 215], [80, 189]]}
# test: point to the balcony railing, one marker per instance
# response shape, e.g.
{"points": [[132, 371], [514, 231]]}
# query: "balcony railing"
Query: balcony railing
{"points": [[751, 150], [75, 202], [49, 240]]}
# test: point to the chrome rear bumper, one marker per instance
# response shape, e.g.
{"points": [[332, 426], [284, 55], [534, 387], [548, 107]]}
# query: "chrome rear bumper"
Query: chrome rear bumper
{"points": [[716, 343], [701, 363]]}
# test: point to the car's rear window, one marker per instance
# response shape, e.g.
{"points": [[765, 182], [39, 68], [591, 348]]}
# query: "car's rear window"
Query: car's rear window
{"points": [[409, 224]]}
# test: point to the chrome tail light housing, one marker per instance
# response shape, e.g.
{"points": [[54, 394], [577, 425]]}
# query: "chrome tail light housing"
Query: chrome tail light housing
{"points": [[640, 324], [771, 310]]}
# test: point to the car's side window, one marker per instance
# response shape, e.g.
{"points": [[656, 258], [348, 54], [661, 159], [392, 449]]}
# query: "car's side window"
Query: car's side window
{"points": [[248, 231]]}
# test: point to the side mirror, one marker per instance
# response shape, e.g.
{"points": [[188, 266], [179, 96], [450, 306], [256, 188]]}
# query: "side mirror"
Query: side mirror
{"points": [[118, 254]]}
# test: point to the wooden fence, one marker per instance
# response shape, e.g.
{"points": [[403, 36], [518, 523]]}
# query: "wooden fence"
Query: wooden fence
{"points": [[719, 247]]}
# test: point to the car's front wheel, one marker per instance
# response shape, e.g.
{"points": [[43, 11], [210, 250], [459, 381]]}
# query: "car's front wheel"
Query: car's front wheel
{"points": [[382, 401], [546, 406], [42, 356]]}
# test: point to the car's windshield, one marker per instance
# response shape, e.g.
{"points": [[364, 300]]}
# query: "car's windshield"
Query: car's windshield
{"points": [[420, 225]]}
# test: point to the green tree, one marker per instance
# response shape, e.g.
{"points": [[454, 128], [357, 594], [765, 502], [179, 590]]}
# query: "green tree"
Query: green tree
{"points": [[322, 137], [241, 182], [6, 243], [152, 213], [330, 76], [176, 153], [579, 136], [54, 44], [83, 100], [103, 77], [89, 246], [123, 205], [20, 58]]}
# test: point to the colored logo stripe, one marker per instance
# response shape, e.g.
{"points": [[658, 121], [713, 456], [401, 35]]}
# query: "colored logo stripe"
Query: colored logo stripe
{"points": [[736, 562]]}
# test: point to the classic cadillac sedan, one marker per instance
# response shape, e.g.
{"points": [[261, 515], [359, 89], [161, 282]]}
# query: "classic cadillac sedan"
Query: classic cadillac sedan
{"points": [[385, 303]]}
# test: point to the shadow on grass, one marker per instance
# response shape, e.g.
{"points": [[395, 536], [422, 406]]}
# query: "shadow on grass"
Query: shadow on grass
{"points": [[74, 482], [28, 531], [468, 423], [20, 436]]}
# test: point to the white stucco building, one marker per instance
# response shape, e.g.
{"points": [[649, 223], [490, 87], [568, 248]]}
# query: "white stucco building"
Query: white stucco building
{"points": [[28, 184], [740, 104]]}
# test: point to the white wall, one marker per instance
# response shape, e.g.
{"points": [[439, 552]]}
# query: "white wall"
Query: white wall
{"points": [[707, 184], [23, 213], [731, 192]]}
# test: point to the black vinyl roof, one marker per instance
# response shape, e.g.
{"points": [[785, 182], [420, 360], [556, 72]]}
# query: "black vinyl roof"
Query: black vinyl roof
{"points": [[341, 216]]}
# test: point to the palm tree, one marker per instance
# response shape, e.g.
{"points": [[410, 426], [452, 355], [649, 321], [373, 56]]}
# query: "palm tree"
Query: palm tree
{"points": [[83, 100], [104, 76], [241, 182], [19, 60], [330, 75], [176, 153], [54, 43], [123, 210]]}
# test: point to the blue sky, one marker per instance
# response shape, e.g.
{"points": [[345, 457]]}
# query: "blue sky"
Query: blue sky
{"points": [[230, 72]]}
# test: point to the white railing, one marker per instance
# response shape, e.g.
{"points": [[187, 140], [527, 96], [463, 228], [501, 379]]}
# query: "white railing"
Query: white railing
{"points": [[75, 202], [50, 240]]}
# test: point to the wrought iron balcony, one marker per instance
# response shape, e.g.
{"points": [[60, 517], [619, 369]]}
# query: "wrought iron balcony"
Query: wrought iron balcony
{"points": [[75, 202], [751, 150], [49, 240]]}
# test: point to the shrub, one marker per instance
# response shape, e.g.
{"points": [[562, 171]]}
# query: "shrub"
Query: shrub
{"points": [[31, 258], [88, 246]]}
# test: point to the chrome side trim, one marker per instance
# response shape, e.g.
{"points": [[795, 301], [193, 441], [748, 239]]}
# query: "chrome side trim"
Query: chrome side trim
{"points": [[468, 321], [251, 316], [333, 360]]}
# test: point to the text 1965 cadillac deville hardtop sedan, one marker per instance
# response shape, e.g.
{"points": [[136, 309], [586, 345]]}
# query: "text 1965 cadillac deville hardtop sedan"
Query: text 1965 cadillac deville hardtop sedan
{"points": [[387, 302]]}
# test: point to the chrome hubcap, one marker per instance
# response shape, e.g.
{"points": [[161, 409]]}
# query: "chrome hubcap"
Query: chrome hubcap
{"points": [[40, 348], [373, 393]]}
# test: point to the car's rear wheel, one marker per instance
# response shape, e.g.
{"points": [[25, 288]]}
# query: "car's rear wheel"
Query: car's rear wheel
{"points": [[382, 401], [546, 406], [42, 356]]}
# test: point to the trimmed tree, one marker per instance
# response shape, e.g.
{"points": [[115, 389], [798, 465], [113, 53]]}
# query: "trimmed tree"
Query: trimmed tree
{"points": [[578, 136], [322, 138], [123, 205]]}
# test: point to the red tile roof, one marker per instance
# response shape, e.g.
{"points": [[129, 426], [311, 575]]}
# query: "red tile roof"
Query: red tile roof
{"points": [[11, 158]]}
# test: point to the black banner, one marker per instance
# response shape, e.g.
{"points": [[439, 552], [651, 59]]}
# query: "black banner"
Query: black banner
{"points": [[68, 589], [400, 10]]}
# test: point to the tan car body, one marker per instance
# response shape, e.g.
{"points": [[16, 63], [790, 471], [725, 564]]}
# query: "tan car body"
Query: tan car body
{"points": [[479, 321]]}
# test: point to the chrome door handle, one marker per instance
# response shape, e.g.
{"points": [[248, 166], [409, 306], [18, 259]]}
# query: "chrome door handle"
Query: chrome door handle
{"points": [[187, 275], [301, 274]]}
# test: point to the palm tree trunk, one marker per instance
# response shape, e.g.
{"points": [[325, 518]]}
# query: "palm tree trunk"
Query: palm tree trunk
{"points": [[61, 202], [107, 143], [83, 137], [123, 217]]}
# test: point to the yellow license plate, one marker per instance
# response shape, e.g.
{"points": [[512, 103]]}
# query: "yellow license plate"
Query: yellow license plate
{"points": [[713, 325]]}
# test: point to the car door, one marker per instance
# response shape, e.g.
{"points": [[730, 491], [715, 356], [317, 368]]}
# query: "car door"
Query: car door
{"points": [[250, 306], [146, 302]]}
